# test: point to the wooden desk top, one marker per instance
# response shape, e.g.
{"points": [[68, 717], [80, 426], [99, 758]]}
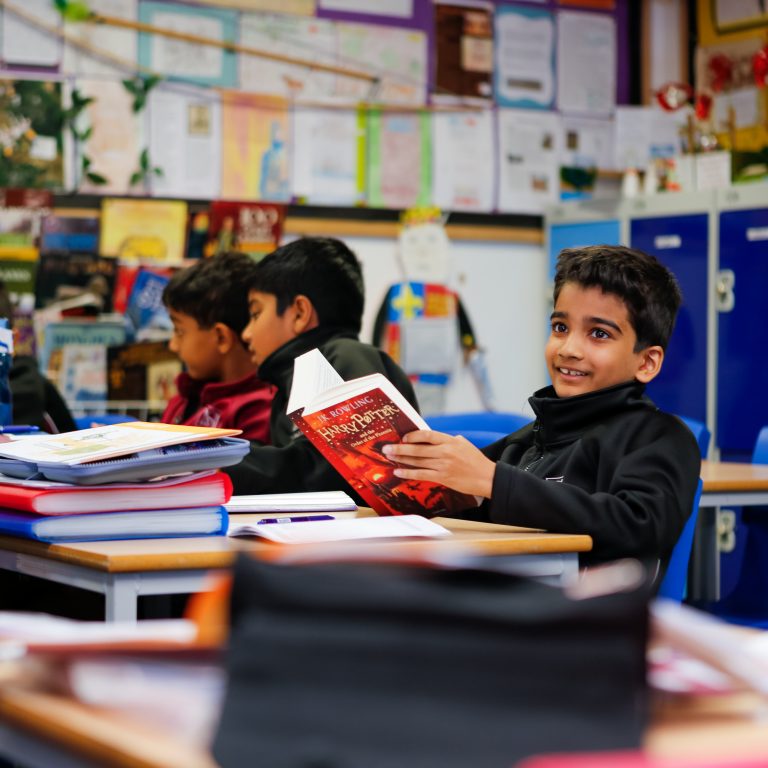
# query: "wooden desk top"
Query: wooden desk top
{"points": [[711, 727], [219, 551], [730, 476]]}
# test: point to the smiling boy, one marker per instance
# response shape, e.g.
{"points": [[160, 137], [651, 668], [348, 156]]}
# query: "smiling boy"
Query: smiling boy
{"points": [[600, 458]]}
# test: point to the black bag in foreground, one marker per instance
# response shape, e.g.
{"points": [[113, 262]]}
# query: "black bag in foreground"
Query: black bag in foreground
{"points": [[348, 665]]}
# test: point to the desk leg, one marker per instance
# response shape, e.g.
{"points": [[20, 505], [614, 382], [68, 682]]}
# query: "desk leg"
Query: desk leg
{"points": [[704, 566], [121, 597]]}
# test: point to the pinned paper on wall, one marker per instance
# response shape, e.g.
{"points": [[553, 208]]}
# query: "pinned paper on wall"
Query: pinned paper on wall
{"points": [[324, 168], [463, 151], [203, 64], [529, 150], [586, 63], [116, 136], [116, 41], [185, 141], [525, 57], [295, 36], [256, 135], [23, 43], [399, 159], [397, 56]]}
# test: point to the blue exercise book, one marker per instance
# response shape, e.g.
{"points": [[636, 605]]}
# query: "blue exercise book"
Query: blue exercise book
{"points": [[102, 526]]}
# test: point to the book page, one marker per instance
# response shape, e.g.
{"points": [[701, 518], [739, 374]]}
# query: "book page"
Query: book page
{"points": [[346, 530], [291, 502], [312, 375]]}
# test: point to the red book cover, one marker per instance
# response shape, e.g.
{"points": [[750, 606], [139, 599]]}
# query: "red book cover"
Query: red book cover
{"points": [[351, 429], [47, 498]]}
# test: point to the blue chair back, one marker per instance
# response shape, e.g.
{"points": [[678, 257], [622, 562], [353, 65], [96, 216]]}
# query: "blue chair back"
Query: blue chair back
{"points": [[674, 582], [102, 420], [478, 437], [485, 421], [760, 455], [700, 432]]}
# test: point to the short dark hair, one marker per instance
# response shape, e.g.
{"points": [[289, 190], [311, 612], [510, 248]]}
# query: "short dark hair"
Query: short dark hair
{"points": [[321, 268], [649, 290], [213, 290]]}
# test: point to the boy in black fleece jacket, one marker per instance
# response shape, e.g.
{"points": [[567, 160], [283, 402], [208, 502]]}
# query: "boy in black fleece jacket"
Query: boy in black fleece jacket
{"points": [[600, 458], [306, 294]]}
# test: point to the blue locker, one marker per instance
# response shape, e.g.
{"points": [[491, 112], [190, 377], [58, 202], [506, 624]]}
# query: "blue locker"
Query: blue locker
{"points": [[681, 242], [577, 234], [742, 370]]}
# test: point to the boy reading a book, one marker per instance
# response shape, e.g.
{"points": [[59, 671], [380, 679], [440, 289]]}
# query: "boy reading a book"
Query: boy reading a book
{"points": [[220, 387], [600, 458], [307, 294]]}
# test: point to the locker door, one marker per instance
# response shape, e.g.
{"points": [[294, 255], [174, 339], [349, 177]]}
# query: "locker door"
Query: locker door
{"points": [[742, 379], [681, 243], [577, 234]]}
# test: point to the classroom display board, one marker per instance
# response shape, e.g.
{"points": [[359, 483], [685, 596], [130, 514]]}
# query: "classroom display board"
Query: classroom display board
{"points": [[472, 106]]}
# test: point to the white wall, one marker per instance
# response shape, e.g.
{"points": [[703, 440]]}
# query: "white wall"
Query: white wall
{"points": [[503, 287]]}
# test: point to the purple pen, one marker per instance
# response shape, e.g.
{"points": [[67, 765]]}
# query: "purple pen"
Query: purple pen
{"points": [[306, 519]]}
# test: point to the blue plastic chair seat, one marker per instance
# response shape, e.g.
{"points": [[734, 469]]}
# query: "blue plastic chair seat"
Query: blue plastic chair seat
{"points": [[485, 421]]}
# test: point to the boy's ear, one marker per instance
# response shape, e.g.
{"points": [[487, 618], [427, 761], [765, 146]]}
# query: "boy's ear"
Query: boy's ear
{"points": [[305, 316], [651, 359], [225, 337]]}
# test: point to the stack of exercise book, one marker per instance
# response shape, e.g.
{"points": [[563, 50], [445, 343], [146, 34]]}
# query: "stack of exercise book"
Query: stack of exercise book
{"points": [[122, 481]]}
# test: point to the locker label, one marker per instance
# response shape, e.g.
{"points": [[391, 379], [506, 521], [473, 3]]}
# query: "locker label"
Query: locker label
{"points": [[757, 233], [668, 241]]}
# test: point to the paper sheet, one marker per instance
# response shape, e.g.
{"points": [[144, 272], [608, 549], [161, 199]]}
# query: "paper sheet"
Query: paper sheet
{"points": [[464, 160], [185, 141], [23, 43]]}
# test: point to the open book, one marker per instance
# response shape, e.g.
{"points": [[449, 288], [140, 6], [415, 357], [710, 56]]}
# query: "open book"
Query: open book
{"points": [[350, 422]]}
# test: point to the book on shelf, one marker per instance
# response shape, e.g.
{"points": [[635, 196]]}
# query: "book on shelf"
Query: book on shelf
{"points": [[308, 501], [103, 526], [47, 497], [127, 452], [311, 531], [350, 422], [144, 370]]}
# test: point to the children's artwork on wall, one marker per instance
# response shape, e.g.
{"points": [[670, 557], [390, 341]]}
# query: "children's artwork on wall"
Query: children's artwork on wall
{"points": [[525, 57], [326, 160], [421, 322], [119, 42], [185, 141], [464, 51], [529, 151], [150, 232], [255, 140], [397, 56], [463, 177], [31, 122], [203, 64], [25, 45], [115, 140], [399, 159], [295, 36]]}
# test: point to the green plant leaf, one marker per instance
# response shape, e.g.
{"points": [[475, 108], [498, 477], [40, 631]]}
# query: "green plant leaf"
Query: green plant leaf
{"points": [[136, 177], [159, 172], [96, 178]]}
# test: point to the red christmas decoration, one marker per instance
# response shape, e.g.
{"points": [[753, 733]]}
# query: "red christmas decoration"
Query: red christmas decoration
{"points": [[672, 96], [760, 67], [703, 106], [720, 69]]}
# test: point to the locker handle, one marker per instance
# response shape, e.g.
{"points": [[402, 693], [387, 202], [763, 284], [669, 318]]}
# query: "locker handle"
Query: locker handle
{"points": [[724, 284]]}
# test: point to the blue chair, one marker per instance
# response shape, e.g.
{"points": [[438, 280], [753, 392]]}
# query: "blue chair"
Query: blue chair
{"points": [[674, 582], [700, 432], [102, 420], [484, 421], [478, 437], [760, 454]]}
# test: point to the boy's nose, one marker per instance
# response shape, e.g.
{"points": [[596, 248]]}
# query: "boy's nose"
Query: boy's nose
{"points": [[570, 347]]}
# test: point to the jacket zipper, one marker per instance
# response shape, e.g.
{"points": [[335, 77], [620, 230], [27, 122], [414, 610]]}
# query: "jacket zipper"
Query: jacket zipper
{"points": [[536, 429]]}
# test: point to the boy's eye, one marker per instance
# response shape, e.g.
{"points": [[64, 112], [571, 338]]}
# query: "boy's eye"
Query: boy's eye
{"points": [[558, 327], [599, 333]]}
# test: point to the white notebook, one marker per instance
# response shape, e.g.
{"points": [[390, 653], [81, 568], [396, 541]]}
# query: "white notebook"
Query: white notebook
{"points": [[312, 501]]}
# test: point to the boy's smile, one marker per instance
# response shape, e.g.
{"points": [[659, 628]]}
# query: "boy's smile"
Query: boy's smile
{"points": [[592, 343]]}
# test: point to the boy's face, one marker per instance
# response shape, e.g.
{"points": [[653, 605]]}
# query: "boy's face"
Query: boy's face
{"points": [[591, 343], [266, 330], [196, 347]]}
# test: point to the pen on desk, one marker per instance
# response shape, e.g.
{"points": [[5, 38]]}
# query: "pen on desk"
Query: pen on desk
{"points": [[18, 429], [307, 518]]}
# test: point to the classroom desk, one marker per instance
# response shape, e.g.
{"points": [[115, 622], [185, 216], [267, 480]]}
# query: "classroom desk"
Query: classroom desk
{"points": [[724, 483], [41, 730], [124, 570]]}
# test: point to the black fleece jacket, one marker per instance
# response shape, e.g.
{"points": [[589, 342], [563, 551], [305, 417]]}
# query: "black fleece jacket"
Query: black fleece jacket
{"points": [[291, 463], [607, 463]]}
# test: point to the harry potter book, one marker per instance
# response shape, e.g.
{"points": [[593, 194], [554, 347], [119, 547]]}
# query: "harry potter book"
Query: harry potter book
{"points": [[350, 422]]}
